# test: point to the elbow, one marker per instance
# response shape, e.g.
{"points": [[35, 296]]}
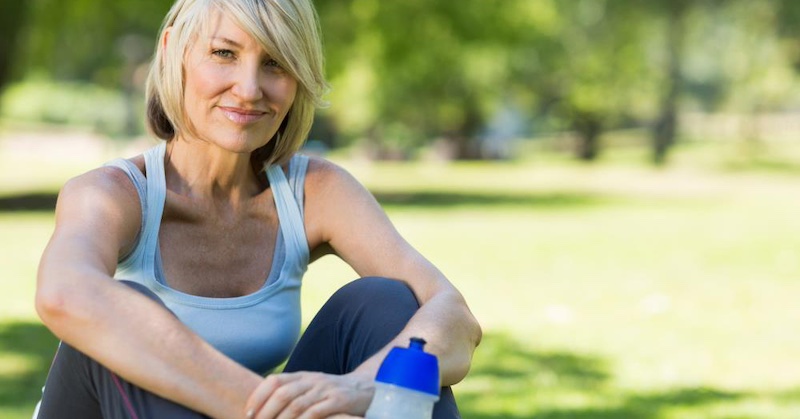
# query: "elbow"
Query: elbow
{"points": [[457, 369], [62, 299], [462, 359], [60, 308], [471, 326], [474, 334], [477, 333], [51, 305]]}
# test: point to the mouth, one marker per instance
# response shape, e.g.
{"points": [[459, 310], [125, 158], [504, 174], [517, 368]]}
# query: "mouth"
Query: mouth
{"points": [[241, 115]]}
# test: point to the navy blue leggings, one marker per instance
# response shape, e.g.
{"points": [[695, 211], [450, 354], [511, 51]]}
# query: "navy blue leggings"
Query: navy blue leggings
{"points": [[356, 322]]}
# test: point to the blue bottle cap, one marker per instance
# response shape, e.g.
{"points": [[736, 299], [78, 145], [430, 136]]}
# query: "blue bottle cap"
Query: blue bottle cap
{"points": [[411, 368]]}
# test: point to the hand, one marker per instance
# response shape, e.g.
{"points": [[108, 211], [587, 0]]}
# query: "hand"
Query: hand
{"points": [[309, 395]]}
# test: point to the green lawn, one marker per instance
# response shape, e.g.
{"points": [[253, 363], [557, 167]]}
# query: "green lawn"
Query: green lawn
{"points": [[609, 291]]}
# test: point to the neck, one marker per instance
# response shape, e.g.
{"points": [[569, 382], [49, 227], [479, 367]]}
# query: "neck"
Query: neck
{"points": [[201, 170]]}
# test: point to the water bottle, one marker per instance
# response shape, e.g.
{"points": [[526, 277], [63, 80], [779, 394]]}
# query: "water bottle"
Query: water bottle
{"points": [[407, 384]]}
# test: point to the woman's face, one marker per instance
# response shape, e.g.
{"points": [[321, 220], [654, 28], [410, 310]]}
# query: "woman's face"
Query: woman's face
{"points": [[236, 95]]}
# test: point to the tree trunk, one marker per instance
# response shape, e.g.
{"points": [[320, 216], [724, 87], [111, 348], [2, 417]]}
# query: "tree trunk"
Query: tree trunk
{"points": [[13, 15], [664, 133], [665, 129], [464, 138], [589, 129]]}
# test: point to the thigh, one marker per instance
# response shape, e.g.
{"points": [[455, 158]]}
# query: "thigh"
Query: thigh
{"points": [[69, 390], [355, 323], [79, 387]]}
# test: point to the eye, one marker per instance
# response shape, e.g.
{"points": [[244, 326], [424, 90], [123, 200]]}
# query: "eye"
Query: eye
{"points": [[222, 53], [272, 63]]}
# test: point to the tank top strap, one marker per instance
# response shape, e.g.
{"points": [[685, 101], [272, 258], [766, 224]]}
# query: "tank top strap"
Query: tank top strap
{"points": [[298, 167], [140, 183], [136, 177], [290, 208], [133, 172], [156, 196]]}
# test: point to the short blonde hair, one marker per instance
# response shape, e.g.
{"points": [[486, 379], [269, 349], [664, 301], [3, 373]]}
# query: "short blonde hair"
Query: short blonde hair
{"points": [[288, 30]]}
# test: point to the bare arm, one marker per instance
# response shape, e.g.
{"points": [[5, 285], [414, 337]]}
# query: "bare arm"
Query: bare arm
{"points": [[358, 230], [97, 218], [344, 218]]}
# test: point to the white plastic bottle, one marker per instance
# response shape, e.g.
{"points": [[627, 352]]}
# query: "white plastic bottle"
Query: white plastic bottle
{"points": [[407, 384]]}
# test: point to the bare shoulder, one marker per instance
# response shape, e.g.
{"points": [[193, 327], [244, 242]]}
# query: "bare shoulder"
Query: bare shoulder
{"points": [[324, 176], [106, 182], [321, 169], [103, 200], [334, 202], [99, 184]]}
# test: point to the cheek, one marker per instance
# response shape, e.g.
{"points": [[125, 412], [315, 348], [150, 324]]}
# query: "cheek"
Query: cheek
{"points": [[282, 91], [192, 100], [203, 83], [289, 93]]}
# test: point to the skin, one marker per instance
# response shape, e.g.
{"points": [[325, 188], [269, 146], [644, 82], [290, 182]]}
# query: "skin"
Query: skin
{"points": [[217, 227]]}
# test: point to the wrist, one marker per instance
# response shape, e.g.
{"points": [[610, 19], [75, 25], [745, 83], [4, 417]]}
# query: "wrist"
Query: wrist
{"points": [[236, 394], [364, 384]]}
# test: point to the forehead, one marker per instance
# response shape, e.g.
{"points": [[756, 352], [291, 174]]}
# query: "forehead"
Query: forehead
{"points": [[220, 26], [225, 25]]}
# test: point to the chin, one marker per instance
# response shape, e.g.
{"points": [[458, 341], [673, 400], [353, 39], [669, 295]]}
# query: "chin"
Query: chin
{"points": [[243, 142]]}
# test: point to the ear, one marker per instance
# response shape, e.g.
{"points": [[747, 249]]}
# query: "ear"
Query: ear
{"points": [[165, 38]]}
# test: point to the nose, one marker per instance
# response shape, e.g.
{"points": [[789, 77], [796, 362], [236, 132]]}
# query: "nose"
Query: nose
{"points": [[247, 86]]}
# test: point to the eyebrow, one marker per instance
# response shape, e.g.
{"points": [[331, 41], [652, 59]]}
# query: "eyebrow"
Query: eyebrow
{"points": [[227, 41]]}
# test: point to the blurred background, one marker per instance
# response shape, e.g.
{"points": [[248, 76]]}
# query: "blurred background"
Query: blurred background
{"points": [[613, 184]]}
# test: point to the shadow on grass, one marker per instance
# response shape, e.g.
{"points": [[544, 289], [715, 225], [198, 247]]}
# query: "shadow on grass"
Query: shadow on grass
{"points": [[46, 201], [510, 381], [33, 201], [447, 200], [26, 352]]}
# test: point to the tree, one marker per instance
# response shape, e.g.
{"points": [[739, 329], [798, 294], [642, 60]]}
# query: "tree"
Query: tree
{"points": [[594, 74], [421, 67], [83, 40], [665, 127], [13, 15]]}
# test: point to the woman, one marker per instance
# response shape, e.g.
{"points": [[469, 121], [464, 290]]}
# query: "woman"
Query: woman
{"points": [[218, 224]]}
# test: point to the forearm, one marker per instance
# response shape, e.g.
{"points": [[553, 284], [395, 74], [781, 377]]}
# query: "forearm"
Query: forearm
{"points": [[451, 333], [145, 344]]}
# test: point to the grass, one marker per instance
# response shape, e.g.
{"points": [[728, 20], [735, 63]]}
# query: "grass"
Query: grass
{"points": [[631, 293], [605, 291]]}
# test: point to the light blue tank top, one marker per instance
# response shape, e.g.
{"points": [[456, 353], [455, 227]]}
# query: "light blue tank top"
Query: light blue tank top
{"points": [[258, 330]]}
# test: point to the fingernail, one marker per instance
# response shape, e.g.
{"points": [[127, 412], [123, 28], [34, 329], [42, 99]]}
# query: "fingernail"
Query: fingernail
{"points": [[250, 413]]}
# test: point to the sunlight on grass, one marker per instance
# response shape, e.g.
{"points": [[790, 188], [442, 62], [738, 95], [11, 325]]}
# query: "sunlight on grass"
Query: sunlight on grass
{"points": [[15, 365], [24, 238]]}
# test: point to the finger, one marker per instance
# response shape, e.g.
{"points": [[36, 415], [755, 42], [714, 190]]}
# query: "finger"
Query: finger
{"points": [[300, 405], [281, 397], [325, 408], [260, 395]]}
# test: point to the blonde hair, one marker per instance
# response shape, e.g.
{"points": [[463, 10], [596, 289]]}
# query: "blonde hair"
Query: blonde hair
{"points": [[288, 30]]}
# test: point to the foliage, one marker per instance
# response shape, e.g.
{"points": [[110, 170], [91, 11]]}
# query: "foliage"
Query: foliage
{"points": [[410, 73], [105, 111], [13, 17], [431, 66], [89, 40]]}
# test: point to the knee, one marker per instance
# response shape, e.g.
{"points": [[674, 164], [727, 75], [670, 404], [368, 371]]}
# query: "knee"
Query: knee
{"points": [[378, 291], [355, 323], [371, 300]]}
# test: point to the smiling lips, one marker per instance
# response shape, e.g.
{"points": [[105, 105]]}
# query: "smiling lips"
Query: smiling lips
{"points": [[242, 116]]}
